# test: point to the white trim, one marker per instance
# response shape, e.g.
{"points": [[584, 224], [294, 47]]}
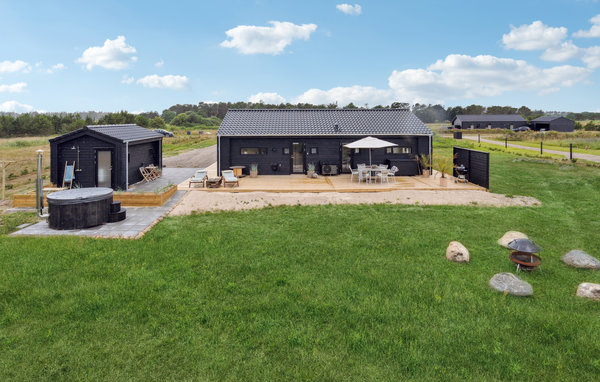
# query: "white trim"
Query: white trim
{"points": [[126, 165]]}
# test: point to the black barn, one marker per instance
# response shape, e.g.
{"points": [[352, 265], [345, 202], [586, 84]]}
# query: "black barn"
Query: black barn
{"points": [[556, 123], [284, 142], [488, 121], [105, 155]]}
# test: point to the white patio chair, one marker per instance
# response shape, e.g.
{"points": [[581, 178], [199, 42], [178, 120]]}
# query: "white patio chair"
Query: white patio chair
{"points": [[354, 172], [392, 174], [383, 174]]}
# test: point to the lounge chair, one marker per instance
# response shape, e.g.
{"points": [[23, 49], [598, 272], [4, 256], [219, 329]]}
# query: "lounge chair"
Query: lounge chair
{"points": [[228, 178], [199, 177]]}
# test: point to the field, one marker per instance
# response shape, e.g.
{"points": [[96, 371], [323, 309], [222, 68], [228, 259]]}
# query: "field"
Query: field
{"points": [[319, 293], [584, 142]]}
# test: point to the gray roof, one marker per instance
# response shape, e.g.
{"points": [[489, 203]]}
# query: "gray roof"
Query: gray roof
{"points": [[490, 118], [125, 133], [295, 122], [547, 118]]}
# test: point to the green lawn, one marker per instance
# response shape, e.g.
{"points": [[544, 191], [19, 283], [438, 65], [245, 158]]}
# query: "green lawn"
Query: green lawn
{"points": [[319, 293]]}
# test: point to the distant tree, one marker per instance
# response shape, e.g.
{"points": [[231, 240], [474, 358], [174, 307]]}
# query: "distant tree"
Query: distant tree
{"points": [[350, 106], [524, 111], [140, 120], [501, 110], [168, 115], [400, 105], [157, 123], [474, 109]]}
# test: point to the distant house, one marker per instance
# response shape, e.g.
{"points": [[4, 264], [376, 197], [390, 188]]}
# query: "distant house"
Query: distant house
{"points": [[556, 123], [488, 121], [105, 155], [283, 142]]}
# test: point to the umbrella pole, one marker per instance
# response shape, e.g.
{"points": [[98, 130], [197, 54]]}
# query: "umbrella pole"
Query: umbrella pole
{"points": [[370, 164]]}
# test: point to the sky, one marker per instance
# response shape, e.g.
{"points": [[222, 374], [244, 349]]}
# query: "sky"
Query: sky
{"points": [[148, 55]]}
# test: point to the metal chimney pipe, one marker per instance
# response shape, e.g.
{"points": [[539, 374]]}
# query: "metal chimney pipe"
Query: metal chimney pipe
{"points": [[39, 187]]}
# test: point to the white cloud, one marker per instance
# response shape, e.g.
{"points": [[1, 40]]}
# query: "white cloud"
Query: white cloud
{"points": [[594, 31], [359, 95], [159, 64], [251, 39], [14, 88], [591, 57], [563, 52], [15, 107], [462, 76], [535, 36], [268, 98], [349, 9], [127, 80], [114, 54], [55, 68], [168, 81], [14, 66]]}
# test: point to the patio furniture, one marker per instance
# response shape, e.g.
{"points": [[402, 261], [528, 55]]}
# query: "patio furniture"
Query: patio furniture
{"points": [[364, 174], [213, 182], [354, 172], [228, 178], [150, 173], [370, 143], [238, 171], [69, 174], [199, 177], [392, 174], [383, 174]]}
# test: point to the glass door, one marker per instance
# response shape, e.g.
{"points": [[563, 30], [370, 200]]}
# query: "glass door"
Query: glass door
{"points": [[104, 171], [346, 159], [297, 158]]}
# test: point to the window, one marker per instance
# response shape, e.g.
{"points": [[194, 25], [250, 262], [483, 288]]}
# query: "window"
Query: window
{"points": [[286, 151], [398, 150], [253, 151], [314, 150], [356, 151]]}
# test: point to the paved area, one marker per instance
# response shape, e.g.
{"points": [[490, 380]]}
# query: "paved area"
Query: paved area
{"points": [[590, 157], [139, 220], [168, 176], [198, 158]]}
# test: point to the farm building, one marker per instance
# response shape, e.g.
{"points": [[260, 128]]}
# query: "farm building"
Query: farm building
{"points": [[556, 123], [488, 121], [105, 155], [287, 141]]}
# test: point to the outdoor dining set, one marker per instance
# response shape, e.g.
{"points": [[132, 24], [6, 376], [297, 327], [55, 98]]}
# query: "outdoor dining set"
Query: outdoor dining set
{"points": [[373, 173]]}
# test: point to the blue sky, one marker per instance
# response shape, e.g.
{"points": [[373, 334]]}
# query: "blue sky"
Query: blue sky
{"points": [[149, 55]]}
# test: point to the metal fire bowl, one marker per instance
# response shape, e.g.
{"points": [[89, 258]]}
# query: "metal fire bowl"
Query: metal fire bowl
{"points": [[526, 260]]}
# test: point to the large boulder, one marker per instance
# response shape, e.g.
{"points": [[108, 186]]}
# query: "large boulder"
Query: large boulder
{"points": [[589, 290], [509, 283], [457, 252], [510, 236], [580, 259]]}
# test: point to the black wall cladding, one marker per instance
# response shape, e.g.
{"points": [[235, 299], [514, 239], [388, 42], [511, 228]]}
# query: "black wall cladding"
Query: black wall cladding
{"points": [[477, 164]]}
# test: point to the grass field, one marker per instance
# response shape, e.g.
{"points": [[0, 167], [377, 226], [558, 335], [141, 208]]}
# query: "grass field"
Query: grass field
{"points": [[582, 146], [182, 142], [319, 293]]}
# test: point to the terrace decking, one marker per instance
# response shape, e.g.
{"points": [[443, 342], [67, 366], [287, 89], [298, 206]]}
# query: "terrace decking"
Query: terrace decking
{"points": [[339, 183]]}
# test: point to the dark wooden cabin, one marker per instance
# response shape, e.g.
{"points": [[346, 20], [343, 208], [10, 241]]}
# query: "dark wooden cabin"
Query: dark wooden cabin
{"points": [[556, 123], [105, 155], [488, 121], [283, 142]]}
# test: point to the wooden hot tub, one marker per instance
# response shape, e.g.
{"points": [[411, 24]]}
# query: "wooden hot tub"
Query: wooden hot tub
{"points": [[79, 208]]}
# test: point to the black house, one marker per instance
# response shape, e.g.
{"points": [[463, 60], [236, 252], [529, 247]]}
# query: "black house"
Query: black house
{"points": [[105, 155], [488, 121], [283, 142], [556, 123]]}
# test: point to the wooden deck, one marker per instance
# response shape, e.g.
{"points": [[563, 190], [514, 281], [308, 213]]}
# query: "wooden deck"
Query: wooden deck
{"points": [[339, 183]]}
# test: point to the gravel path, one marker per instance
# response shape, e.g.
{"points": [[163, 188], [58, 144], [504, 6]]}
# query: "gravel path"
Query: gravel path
{"points": [[198, 158], [199, 201], [590, 157]]}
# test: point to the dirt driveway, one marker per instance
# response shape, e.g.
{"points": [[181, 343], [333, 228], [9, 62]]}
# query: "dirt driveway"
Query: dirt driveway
{"points": [[197, 158]]}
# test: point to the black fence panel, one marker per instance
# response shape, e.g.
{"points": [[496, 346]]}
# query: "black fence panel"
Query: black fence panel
{"points": [[477, 164]]}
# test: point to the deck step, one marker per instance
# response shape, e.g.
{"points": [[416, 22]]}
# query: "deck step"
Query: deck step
{"points": [[115, 206], [114, 217]]}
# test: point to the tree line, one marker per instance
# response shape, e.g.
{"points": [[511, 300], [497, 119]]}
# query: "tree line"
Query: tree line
{"points": [[211, 114]]}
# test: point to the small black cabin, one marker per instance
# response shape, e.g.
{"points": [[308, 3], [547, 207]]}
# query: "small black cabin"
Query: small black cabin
{"points": [[556, 123], [105, 155], [283, 142]]}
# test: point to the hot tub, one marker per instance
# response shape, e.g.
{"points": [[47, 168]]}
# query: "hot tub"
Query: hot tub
{"points": [[79, 208]]}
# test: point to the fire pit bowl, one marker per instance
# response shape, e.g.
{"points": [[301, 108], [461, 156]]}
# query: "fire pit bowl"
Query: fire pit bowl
{"points": [[525, 261]]}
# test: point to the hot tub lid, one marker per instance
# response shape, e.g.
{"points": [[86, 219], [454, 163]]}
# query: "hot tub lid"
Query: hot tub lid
{"points": [[79, 195]]}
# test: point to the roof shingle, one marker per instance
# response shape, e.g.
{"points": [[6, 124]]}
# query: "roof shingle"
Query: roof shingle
{"points": [[294, 122], [125, 133]]}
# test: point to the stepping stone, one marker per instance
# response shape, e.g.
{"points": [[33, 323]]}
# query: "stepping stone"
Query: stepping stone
{"points": [[457, 252], [511, 284], [589, 290], [510, 236], [580, 259]]}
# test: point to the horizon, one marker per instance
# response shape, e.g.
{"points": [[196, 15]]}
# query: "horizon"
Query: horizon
{"points": [[144, 57]]}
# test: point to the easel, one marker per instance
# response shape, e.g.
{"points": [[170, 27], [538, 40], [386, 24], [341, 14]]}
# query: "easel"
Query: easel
{"points": [[4, 164], [69, 174]]}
